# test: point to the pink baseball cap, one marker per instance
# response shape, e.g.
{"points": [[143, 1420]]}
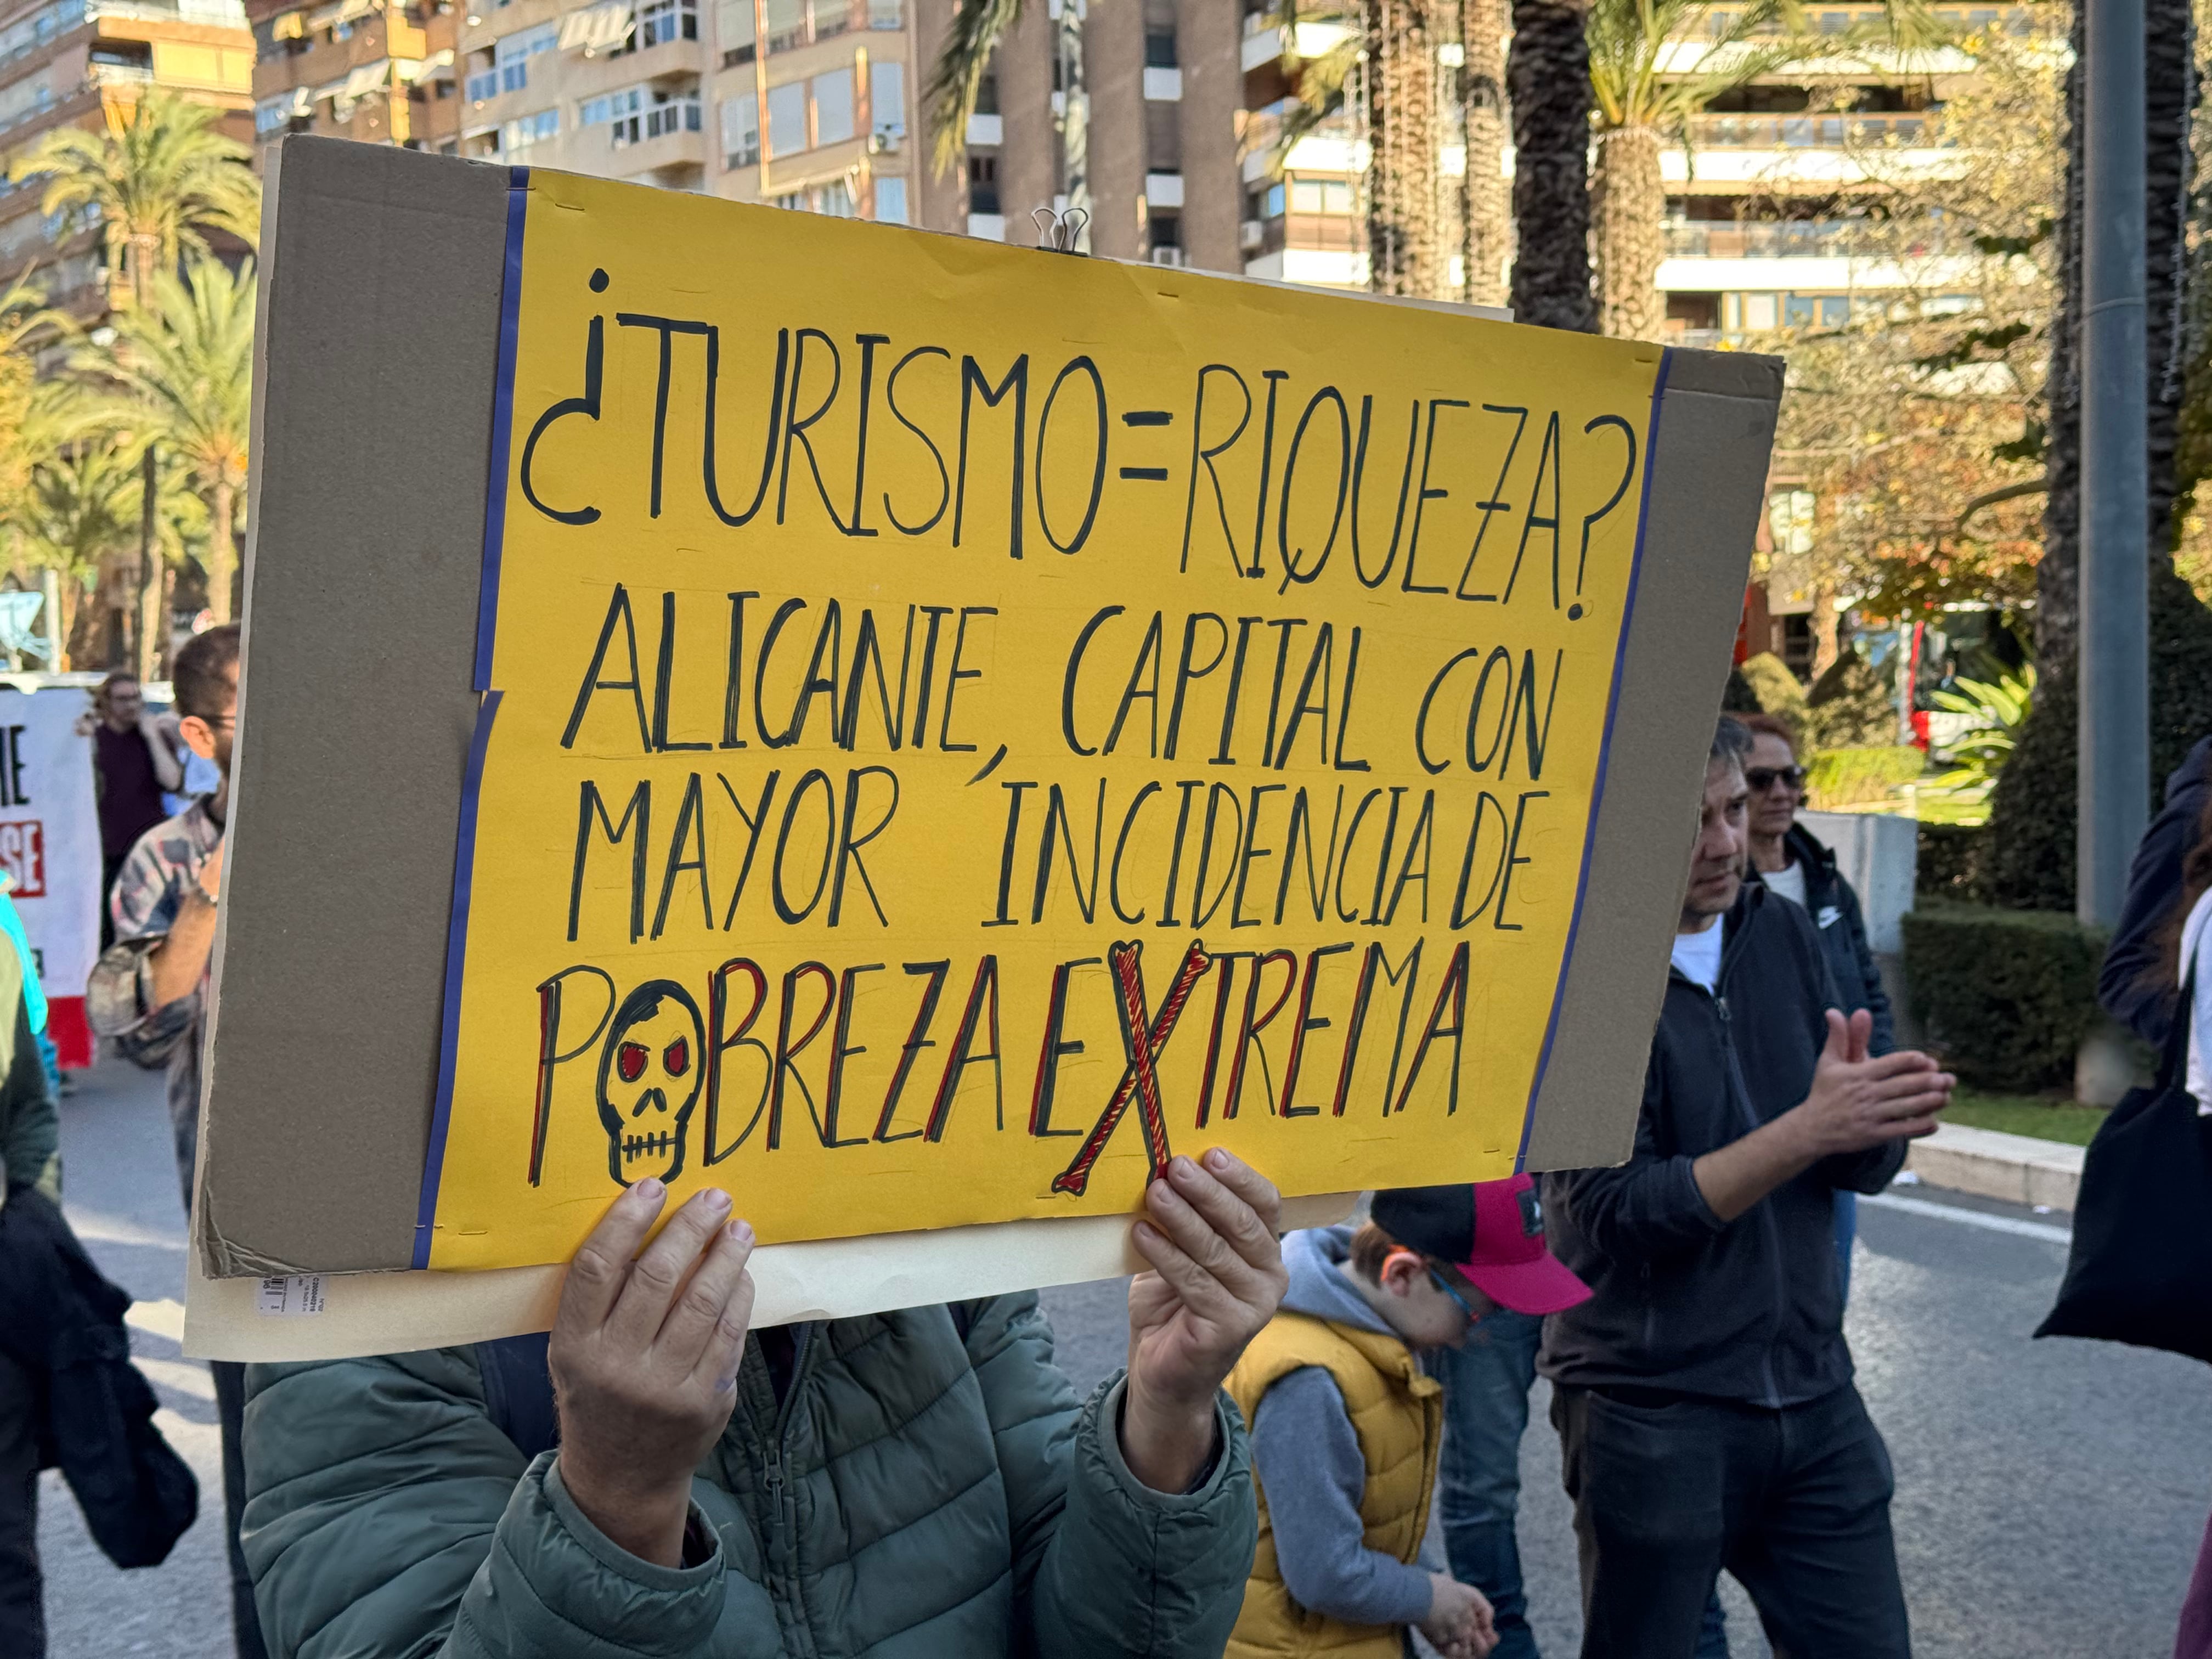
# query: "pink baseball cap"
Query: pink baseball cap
{"points": [[1493, 1232]]}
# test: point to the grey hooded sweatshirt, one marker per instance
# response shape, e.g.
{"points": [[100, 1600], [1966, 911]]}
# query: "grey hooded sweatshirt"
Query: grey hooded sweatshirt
{"points": [[1307, 1456]]}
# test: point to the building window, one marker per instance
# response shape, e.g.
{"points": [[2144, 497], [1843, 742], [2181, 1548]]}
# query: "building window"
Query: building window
{"points": [[890, 200], [483, 77], [833, 106], [832, 18], [271, 114], [982, 183], [786, 24], [1268, 203], [665, 21], [834, 200], [986, 93], [1160, 49], [734, 25], [887, 97], [740, 130], [1166, 229], [512, 54], [1321, 196], [525, 130], [886, 14], [787, 118]]}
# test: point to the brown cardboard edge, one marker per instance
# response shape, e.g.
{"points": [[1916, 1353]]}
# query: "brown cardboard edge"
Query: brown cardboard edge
{"points": [[1716, 432], [828, 1278], [371, 435]]}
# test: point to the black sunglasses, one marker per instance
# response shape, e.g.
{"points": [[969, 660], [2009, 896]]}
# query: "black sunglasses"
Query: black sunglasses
{"points": [[1764, 778]]}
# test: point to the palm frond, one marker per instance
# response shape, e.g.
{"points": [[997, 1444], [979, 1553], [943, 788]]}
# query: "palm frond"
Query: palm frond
{"points": [[957, 78]]}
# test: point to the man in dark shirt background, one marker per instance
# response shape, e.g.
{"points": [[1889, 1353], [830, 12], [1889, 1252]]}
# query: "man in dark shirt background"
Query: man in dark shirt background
{"points": [[133, 764]]}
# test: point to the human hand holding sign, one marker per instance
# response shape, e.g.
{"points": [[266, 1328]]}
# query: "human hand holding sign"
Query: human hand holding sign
{"points": [[1210, 1233], [644, 1357], [1856, 1102]]}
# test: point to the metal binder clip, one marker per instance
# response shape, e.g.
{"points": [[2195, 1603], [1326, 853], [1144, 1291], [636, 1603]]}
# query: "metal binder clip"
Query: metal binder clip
{"points": [[1057, 231]]}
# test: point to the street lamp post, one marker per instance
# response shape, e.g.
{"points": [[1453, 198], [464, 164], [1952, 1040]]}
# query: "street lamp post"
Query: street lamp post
{"points": [[2114, 761]]}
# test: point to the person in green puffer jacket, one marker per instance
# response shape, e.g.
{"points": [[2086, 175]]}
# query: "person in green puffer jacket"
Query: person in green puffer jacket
{"points": [[918, 1485]]}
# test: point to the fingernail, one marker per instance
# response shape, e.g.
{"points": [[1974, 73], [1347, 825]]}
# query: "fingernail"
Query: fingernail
{"points": [[1181, 1166], [716, 1199], [1146, 1232], [648, 1189], [1217, 1159], [741, 1232]]}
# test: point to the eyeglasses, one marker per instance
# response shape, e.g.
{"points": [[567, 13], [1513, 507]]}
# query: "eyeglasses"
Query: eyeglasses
{"points": [[1447, 1287], [1764, 778]]}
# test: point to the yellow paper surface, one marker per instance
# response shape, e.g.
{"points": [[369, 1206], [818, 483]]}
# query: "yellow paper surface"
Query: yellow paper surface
{"points": [[995, 613]]}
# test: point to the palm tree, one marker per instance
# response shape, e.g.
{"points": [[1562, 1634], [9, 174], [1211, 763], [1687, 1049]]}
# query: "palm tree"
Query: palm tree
{"points": [[1547, 74], [157, 179], [1486, 215], [956, 79], [78, 509], [183, 370], [1383, 64], [1643, 101]]}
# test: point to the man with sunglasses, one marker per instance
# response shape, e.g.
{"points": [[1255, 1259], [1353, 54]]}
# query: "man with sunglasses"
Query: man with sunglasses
{"points": [[1790, 860], [149, 990], [1346, 1425]]}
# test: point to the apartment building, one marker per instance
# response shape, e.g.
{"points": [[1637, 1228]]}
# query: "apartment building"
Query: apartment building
{"points": [[83, 62], [381, 71]]}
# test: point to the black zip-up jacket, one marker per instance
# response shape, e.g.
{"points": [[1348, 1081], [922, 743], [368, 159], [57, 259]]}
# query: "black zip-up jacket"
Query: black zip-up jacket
{"points": [[1747, 1310], [2131, 984], [1834, 907]]}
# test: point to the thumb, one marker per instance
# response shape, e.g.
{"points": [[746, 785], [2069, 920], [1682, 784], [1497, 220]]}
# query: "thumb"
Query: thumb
{"points": [[1839, 1047]]}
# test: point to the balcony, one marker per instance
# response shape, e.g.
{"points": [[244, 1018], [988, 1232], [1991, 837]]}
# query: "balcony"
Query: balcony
{"points": [[1839, 131], [1794, 239]]}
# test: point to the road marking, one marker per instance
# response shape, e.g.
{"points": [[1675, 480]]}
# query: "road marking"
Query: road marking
{"points": [[114, 1230], [163, 1318], [1996, 1223], [178, 1375]]}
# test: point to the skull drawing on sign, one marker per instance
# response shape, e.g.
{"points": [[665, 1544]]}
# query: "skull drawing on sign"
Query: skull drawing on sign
{"points": [[649, 1075]]}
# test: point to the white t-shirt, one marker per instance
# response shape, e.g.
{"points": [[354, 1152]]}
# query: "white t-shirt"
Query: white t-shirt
{"points": [[1699, 955], [1790, 883], [2197, 949]]}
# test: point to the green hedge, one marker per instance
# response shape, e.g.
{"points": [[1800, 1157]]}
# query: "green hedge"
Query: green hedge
{"points": [[2006, 996], [1859, 777], [1951, 857]]}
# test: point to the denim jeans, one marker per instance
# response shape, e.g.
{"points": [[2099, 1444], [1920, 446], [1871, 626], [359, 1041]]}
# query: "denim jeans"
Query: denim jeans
{"points": [[1794, 1503], [1485, 1409]]}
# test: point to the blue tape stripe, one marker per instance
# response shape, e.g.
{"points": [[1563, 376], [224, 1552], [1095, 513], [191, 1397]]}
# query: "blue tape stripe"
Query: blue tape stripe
{"points": [[457, 945], [502, 425], [1604, 754]]}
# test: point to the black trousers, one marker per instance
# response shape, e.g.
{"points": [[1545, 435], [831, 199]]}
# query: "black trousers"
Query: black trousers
{"points": [[1794, 1503], [22, 1608], [230, 1407]]}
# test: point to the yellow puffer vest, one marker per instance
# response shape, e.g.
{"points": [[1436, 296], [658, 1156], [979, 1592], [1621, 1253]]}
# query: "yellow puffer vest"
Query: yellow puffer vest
{"points": [[1399, 1416]]}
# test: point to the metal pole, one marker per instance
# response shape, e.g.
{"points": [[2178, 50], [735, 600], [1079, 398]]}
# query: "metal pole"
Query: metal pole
{"points": [[2114, 775]]}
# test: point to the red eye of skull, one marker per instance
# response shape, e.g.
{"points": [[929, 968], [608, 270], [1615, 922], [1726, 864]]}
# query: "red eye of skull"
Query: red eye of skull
{"points": [[629, 1061], [676, 1057]]}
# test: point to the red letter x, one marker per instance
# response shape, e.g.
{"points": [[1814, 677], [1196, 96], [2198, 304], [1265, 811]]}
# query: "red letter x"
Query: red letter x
{"points": [[1142, 1040]]}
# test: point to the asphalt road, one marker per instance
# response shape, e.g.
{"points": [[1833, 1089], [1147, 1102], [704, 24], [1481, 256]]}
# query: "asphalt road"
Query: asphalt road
{"points": [[2049, 1495]]}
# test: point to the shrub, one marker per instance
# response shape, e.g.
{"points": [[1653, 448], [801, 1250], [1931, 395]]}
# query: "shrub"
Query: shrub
{"points": [[1776, 688], [1739, 698], [1852, 706], [2006, 996], [1858, 777], [2032, 810], [1951, 860]]}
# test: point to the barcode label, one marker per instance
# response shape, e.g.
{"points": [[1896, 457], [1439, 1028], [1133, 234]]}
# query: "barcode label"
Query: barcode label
{"points": [[292, 1295]]}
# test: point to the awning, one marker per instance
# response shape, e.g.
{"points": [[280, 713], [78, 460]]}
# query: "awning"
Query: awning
{"points": [[288, 26], [595, 27], [368, 78], [328, 89], [299, 101], [339, 11], [438, 66]]}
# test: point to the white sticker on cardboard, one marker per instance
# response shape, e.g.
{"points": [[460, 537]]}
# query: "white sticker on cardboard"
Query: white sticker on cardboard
{"points": [[291, 1297]]}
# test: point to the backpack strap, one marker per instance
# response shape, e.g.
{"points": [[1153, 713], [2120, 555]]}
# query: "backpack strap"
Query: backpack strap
{"points": [[518, 1386]]}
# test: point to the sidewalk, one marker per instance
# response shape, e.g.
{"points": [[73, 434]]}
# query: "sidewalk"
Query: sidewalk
{"points": [[2018, 1168]]}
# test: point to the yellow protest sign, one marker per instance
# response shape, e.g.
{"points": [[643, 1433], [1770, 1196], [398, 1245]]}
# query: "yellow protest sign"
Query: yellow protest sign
{"points": [[961, 723]]}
